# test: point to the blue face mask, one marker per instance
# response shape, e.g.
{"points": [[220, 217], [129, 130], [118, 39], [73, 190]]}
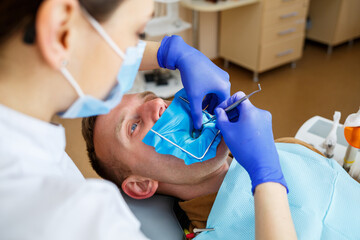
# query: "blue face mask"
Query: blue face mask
{"points": [[173, 133], [86, 105]]}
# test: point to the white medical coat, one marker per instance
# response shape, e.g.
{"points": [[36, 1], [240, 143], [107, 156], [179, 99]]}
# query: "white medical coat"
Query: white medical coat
{"points": [[44, 196]]}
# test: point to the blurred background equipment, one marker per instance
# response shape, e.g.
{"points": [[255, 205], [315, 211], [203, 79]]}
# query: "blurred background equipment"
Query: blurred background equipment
{"points": [[352, 136], [162, 82], [321, 132]]}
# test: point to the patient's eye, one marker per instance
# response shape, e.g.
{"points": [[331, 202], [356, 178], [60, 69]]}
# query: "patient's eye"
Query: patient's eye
{"points": [[133, 127]]}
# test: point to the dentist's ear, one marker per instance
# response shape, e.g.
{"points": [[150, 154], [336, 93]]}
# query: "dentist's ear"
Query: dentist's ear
{"points": [[53, 24], [139, 187]]}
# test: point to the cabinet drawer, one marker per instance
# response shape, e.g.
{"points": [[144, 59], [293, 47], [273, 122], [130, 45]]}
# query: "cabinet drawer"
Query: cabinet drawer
{"points": [[281, 52], [284, 15], [282, 32], [273, 4]]}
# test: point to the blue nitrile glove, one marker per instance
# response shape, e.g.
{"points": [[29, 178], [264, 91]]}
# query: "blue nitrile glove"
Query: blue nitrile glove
{"points": [[250, 140], [199, 75]]}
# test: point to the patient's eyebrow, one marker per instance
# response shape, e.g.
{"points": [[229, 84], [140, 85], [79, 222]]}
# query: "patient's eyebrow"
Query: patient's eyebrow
{"points": [[119, 124], [146, 96], [143, 95]]}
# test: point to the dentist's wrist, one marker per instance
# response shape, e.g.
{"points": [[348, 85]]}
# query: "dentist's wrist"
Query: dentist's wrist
{"points": [[162, 52], [266, 176]]}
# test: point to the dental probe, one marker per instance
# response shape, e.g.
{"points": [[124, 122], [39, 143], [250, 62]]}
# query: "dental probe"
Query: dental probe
{"points": [[237, 103]]}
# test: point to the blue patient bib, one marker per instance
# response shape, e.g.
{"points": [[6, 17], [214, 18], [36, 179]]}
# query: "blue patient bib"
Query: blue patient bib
{"points": [[172, 133], [324, 200]]}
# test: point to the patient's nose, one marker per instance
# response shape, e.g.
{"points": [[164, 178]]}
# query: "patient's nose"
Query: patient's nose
{"points": [[152, 110]]}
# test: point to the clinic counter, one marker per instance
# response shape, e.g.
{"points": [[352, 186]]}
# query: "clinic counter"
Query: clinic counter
{"points": [[204, 6]]}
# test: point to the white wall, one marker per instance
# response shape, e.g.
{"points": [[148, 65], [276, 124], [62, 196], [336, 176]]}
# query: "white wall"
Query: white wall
{"points": [[208, 30]]}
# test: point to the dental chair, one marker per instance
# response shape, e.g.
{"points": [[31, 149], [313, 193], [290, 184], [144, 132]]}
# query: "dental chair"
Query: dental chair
{"points": [[157, 218]]}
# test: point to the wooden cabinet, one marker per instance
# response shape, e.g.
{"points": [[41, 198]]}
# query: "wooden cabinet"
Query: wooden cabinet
{"points": [[334, 21], [263, 35]]}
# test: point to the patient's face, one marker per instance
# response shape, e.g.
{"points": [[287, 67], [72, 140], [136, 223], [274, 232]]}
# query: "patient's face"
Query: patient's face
{"points": [[120, 133]]}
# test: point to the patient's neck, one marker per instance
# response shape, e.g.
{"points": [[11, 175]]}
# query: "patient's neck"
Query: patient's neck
{"points": [[188, 192]]}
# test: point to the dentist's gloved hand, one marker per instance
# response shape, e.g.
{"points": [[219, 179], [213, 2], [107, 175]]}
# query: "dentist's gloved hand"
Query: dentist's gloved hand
{"points": [[199, 75], [250, 140]]}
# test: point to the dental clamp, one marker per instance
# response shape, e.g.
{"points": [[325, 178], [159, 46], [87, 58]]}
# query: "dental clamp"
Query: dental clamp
{"points": [[182, 149]]}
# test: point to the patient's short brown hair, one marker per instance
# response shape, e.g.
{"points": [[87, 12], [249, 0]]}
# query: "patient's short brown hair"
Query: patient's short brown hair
{"points": [[110, 169]]}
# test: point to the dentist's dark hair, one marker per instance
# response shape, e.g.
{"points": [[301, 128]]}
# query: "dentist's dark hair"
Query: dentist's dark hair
{"points": [[20, 15]]}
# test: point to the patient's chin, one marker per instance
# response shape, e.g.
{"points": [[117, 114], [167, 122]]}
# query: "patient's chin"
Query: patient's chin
{"points": [[213, 164], [222, 152]]}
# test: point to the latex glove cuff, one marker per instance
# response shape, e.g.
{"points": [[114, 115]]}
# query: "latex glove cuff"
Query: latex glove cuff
{"points": [[268, 175]]}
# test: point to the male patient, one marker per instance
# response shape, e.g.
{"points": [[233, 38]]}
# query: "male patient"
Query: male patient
{"points": [[117, 153]]}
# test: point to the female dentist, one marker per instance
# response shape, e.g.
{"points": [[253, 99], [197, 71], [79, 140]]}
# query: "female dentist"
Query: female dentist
{"points": [[75, 59]]}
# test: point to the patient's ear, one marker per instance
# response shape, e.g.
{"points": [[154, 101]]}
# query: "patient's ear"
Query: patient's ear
{"points": [[139, 187]]}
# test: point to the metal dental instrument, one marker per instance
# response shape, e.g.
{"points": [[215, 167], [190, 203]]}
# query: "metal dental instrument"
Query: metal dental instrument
{"points": [[200, 230], [237, 103], [196, 132]]}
